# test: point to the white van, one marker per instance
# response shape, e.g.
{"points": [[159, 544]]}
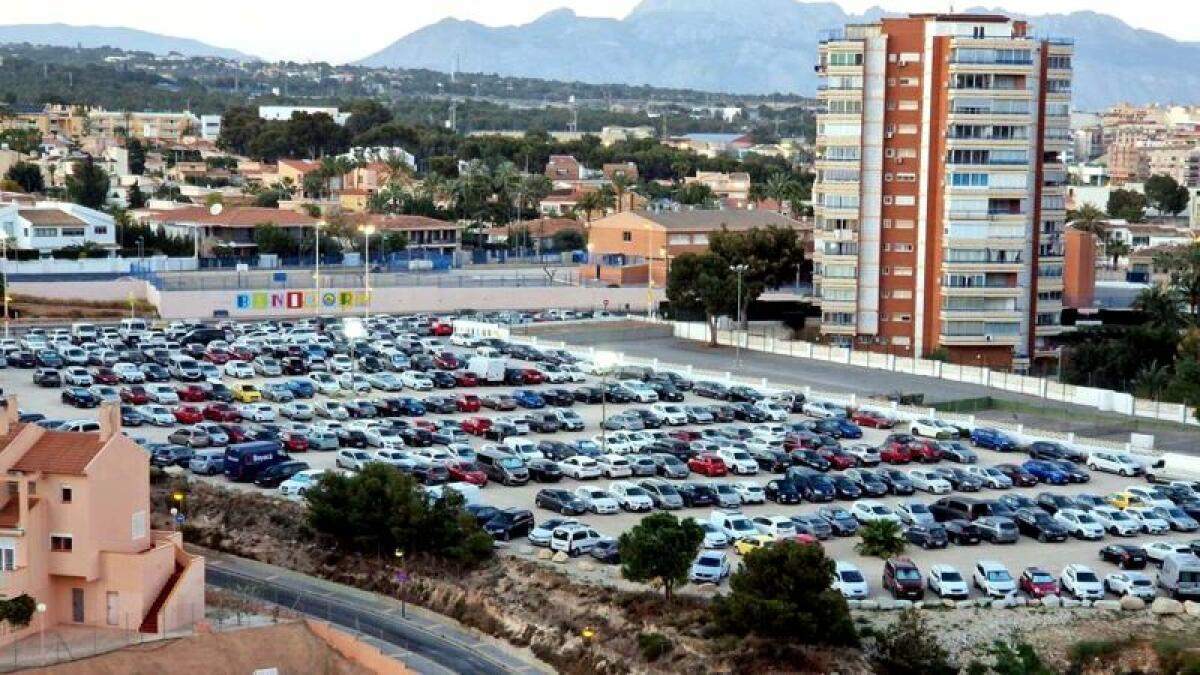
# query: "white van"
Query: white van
{"points": [[574, 538], [1180, 576], [1174, 467], [84, 332], [523, 448], [470, 493], [132, 329]]}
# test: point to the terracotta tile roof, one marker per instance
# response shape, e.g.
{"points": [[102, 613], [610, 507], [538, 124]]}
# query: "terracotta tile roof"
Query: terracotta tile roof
{"points": [[232, 216], [301, 165], [61, 452], [14, 428], [49, 217], [542, 227], [393, 222]]}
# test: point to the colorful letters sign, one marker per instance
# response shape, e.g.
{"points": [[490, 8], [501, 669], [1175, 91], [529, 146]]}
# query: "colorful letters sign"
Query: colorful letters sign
{"points": [[299, 301]]}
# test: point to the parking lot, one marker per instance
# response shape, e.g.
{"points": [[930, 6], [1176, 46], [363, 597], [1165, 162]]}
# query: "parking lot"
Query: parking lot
{"points": [[1052, 557]]}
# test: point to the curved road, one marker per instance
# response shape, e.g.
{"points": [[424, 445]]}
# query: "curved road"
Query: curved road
{"points": [[421, 641]]}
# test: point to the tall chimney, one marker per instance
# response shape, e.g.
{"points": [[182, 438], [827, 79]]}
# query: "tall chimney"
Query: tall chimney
{"points": [[110, 420]]}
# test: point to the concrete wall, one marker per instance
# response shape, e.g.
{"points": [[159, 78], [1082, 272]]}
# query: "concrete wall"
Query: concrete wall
{"points": [[82, 290]]}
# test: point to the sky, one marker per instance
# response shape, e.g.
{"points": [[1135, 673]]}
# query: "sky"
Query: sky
{"points": [[311, 30]]}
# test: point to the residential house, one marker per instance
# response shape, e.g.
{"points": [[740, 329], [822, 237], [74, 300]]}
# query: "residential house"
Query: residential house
{"points": [[611, 135], [424, 234], [540, 231], [230, 230], [295, 171], [626, 170], [1148, 235], [46, 226], [734, 185], [282, 113], [712, 145], [153, 126], [563, 168], [76, 537]]}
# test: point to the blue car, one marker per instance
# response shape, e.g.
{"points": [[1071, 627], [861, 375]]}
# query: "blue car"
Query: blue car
{"points": [[1046, 472], [847, 428], [301, 388], [411, 407], [528, 399], [992, 439]]}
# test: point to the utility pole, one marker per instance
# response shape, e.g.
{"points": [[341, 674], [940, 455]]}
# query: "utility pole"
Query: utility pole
{"points": [[739, 270]]}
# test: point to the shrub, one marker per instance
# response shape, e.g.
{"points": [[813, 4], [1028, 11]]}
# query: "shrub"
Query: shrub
{"points": [[18, 611], [881, 539], [660, 547], [654, 646], [909, 647]]}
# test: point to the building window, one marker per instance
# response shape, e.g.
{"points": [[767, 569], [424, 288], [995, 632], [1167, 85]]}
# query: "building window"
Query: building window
{"points": [[45, 232], [103, 229], [67, 494], [139, 524], [60, 543], [626, 236], [73, 232], [8, 555]]}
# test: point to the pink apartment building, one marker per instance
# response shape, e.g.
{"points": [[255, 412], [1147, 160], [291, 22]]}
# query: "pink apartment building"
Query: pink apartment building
{"points": [[75, 532]]}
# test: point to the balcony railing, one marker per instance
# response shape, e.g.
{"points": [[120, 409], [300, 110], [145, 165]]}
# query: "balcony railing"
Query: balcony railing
{"points": [[992, 62], [981, 215]]}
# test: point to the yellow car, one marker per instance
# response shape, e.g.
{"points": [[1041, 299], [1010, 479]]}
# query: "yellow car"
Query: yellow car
{"points": [[246, 393], [745, 546], [1122, 500]]}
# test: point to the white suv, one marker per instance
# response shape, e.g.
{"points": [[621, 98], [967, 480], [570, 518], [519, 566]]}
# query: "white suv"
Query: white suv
{"points": [[574, 538], [993, 579], [850, 581], [1082, 582], [631, 497], [947, 582]]}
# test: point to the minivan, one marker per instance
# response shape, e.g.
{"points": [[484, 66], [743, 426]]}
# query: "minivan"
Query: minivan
{"points": [[185, 369], [1179, 576], [207, 462], [244, 461], [502, 467], [523, 448], [903, 579], [574, 539]]}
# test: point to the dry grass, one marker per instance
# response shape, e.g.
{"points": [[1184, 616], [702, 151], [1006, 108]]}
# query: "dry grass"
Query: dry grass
{"points": [[33, 307]]}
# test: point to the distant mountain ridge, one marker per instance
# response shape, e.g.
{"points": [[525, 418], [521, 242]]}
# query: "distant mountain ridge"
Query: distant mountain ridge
{"points": [[129, 39], [765, 46]]}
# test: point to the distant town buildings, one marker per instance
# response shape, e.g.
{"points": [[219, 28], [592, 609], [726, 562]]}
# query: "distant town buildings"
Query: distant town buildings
{"points": [[282, 113], [44, 226]]}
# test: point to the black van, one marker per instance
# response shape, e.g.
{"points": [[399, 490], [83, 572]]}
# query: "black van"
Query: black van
{"points": [[502, 467], [203, 336], [244, 461]]}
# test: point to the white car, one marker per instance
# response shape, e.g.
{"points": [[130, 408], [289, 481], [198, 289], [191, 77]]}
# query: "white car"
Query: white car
{"points": [[713, 536], [614, 466], [929, 481], [869, 510], [397, 458], [1116, 522], [993, 579], [416, 380], [384, 437], [926, 426], [640, 391], [333, 410], [865, 454], [913, 512], [463, 340], [1131, 583], [105, 393], [821, 409], [1150, 496], [614, 442], [327, 384], [580, 467], [354, 382], [299, 483], [159, 416], [77, 377], [257, 412], [631, 496], [385, 382], [775, 411], [990, 476], [352, 459], [297, 411], [739, 462], [947, 582], [239, 370], [850, 581], [780, 527], [1113, 462], [709, 567], [162, 394], [750, 492], [671, 414], [267, 366], [1151, 521], [542, 532], [1080, 524], [598, 500], [340, 363], [1081, 582], [1158, 551], [210, 373], [128, 373]]}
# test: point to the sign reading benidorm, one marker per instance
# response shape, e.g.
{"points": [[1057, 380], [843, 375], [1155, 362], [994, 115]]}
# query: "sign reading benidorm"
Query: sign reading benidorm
{"points": [[331, 300]]}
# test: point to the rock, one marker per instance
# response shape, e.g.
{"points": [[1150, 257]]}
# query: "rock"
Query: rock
{"points": [[545, 554], [561, 557], [854, 604], [999, 604], [964, 604], [525, 550], [1052, 602], [868, 604], [904, 604], [886, 604], [1191, 608], [1107, 605], [949, 604], [1033, 602], [1069, 603], [920, 604], [1132, 603], [1166, 606], [586, 566], [1018, 601]]}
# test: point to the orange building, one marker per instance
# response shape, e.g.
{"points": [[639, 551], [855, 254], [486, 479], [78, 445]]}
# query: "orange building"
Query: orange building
{"points": [[1079, 269], [939, 198], [75, 532]]}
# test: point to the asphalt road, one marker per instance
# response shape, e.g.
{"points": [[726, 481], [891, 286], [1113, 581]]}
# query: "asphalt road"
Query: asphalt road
{"points": [[423, 643]]}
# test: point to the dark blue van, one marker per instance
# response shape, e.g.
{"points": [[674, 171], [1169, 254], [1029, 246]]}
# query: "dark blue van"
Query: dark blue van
{"points": [[243, 461]]}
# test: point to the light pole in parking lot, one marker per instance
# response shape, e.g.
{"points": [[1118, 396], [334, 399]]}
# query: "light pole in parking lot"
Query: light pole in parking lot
{"points": [[603, 361], [353, 329], [737, 340], [317, 266], [367, 231]]}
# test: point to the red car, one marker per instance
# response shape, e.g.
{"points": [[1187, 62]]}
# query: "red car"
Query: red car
{"points": [[221, 412], [440, 329], [467, 472], [428, 425], [192, 393], [235, 433], [217, 357], [895, 453], [294, 442], [188, 414], [707, 465], [446, 361], [464, 378], [241, 354], [105, 376], [925, 450], [135, 395], [533, 376], [870, 418], [838, 458], [805, 539], [477, 426], [686, 435], [1037, 583], [467, 403]]}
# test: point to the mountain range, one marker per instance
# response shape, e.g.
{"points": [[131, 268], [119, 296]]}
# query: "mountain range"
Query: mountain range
{"points": [[765, 46], [128, 39]]}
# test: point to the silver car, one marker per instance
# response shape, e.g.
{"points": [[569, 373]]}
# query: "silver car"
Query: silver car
{"points": [[997, 529]]}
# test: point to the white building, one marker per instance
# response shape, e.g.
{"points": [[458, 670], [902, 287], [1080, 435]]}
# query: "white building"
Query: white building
{"points": [[46, 226], [282, 113], [210, 126]]}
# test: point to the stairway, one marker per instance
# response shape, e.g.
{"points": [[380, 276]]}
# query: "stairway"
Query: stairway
{"points": [[150, 623]]}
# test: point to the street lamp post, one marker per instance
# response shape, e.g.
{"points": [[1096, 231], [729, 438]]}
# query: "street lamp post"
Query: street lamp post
{"points": [[41, 612], [4, 272], [739, 270], [317, 268], [649, 272], [367, 231], [354, 329], [603, 361]]}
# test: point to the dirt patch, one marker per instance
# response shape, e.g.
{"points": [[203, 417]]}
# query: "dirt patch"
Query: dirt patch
{"points": [[29, 307]]}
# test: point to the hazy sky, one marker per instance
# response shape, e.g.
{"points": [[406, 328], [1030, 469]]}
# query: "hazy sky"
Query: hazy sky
{"points": [[320, 30]]}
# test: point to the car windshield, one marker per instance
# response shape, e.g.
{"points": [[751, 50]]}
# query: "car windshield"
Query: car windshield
{"points": [[510, 463], [918, 507], [951, 576], [708, 561], [880, 510], [907, 574], [1143, 582], [1041, 578], [635, 491], [743, 526], [1086, 577], [998, 575], [852, 576]]}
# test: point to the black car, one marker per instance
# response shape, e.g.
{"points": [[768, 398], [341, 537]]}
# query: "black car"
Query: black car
{"points": [[169, 454], [606, 551], [221, 393], [773, 461], [48, 358], [22, 359], [509, 523], [744, 393], [678, 381], [415, 437], [543, 422], [782, 491], [294, 365], [1125, 556], [442, 379], [1019, 477], [962, 532], [543, 471], [927, 536], [1047, 450], [482, 512], [275, 474], [351, 438], [46, 377], [897, 481], [1016, 502], [80, 398], [589, 395], [814, 487], [1053, 503], [1075, 473], [155, 373], [559, 398], [500, 431], [556, 450], [430, 473], [846, 488], [666, 391], [711, 390], [696, 494], [131, 417], [440, 405], [747, 412], [811, 459], [649, 419], [1040, 525], [959, 479]]}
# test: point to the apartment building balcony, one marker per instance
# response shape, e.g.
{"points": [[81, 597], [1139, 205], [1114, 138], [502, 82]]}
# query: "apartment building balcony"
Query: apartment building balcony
{"points": [[1003, 267], [988, 117], [1049, 330], [976, 314], [984, 215], [996, 68], [836, 282], [837, 329], [988, 291], [828, 305], [835, 235], [979, 340]]}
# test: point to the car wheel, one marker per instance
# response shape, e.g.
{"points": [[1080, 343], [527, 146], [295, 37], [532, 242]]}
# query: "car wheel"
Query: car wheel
{"points": [[1041, 537], [1123, 472]]}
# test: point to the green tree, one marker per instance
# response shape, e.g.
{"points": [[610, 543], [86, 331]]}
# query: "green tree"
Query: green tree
{"points": [[620, 185], [1183, 266], [394, 242], [88, 184], [135, 197], [589, 203], [1165, 194], [274, 240], [784, 592], [771, 254], [660, 547], [1090, 219], [881, 539], [568, 240], [782, 188], [910, 647], [1127, 205], [1116, 249], [702, 283], [24, 141], [365, 114], [26, 175], [695, 194], [137, 156], [1162, 306]]}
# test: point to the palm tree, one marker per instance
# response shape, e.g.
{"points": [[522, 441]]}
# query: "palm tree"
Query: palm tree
{"points": [[534, 188], [1116, 249], [506, 182], [1162, 307], [395, 167], [1152, 379], [608, 198], [1091, 219], [588, 203], [780, 187], [620, 185]]}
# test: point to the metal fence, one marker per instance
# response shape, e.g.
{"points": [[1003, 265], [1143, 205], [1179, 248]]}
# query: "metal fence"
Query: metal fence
{"points": [[303, 279]]}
